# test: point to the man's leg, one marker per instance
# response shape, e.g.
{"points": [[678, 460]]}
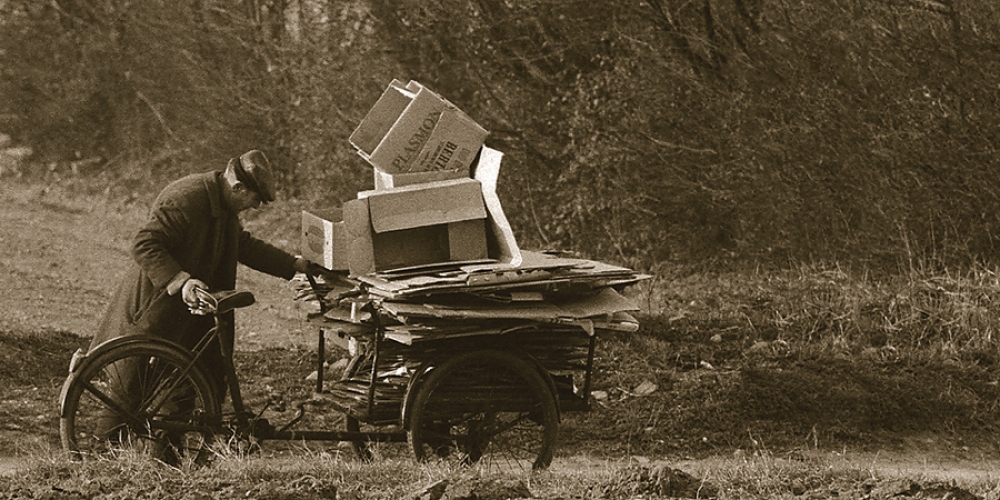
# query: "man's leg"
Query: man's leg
{"points": [[122, 379]]}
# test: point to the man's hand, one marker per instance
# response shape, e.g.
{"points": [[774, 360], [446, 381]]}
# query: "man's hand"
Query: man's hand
{"points": [[301, 265], [310, 268], [306, 266], [187, 291], [315, 269]]}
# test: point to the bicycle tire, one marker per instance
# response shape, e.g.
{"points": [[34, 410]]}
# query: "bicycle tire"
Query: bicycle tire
{"points": [[492, 408], [170, 412]]}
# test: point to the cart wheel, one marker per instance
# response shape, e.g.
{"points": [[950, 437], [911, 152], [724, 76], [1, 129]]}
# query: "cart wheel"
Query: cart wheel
{"points": [[360, 447], [489, 407], [139, 399]]}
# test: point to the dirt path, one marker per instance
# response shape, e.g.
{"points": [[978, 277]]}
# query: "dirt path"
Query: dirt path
{"points": [[63, 256], [59, 259]]}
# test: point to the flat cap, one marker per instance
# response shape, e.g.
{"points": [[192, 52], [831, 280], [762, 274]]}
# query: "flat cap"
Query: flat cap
{"points": [[254, 171]]}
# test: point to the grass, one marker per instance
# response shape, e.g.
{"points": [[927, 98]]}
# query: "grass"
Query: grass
{"points": [[317, 475], [920, 309], [808, 358]]}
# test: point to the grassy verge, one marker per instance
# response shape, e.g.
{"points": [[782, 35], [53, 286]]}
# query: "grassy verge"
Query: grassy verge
{"points": [[329, 476], [812, 357]]}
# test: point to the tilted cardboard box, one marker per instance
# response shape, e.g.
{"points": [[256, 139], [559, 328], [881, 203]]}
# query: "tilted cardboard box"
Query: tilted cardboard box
{"points": [[411, 129], [452, 144]]}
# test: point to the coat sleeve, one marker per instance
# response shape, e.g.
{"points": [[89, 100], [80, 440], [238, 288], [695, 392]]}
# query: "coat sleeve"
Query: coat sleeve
{"points": [[151, 248], [264, 257]]}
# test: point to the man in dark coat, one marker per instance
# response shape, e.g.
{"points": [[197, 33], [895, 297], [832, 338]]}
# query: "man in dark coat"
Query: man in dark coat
{"points": [[193, 239]]}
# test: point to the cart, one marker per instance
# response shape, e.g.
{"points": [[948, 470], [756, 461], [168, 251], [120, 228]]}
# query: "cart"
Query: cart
{"points": [[462, 371]]}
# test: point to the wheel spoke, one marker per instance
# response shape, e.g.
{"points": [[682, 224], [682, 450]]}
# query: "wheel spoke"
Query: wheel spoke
{"points": [[113, 405], [491, 408], [143, 398]]}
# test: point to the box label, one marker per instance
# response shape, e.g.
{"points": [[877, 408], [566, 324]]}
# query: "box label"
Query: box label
{"points": [[412, 129], [454, 142], [402, 161]]}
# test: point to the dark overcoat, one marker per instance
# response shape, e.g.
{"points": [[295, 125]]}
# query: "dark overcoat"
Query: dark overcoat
{"points": [[190, 228]]}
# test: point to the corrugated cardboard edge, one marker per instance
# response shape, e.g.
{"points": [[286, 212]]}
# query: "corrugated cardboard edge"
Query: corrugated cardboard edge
{"points": [[385, 180], [361, 260], [487, 172], [326, 225]]}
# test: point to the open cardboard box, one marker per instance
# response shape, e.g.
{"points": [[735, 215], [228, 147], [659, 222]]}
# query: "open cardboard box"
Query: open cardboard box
{"points": [[324, 238], [416, 225], [412, 129], [385, 180]]}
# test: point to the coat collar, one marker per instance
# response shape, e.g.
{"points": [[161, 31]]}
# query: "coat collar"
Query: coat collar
{"points": [[213, 183]]}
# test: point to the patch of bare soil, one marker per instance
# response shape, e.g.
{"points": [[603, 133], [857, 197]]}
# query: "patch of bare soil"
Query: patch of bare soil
{"points": [[32, 367], [62, 257]]}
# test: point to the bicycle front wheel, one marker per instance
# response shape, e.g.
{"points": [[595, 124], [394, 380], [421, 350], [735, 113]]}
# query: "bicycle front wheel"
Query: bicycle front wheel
{"points": [[146, 399]]}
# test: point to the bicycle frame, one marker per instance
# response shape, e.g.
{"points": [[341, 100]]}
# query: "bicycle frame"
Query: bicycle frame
{"points": [[245, 421]]}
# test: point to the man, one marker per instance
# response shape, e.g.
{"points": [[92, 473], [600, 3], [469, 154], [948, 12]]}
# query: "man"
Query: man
{"points": [[193, 239]]}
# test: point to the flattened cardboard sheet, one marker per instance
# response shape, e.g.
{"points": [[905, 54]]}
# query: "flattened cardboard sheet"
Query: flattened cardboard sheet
{"points": [[500, 237], [607, 302]]}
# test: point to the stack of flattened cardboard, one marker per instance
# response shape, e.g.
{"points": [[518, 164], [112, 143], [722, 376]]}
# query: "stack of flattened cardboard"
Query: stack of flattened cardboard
{"points": [[543, 292]]}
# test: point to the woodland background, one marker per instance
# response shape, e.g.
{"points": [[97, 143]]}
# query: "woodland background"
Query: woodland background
{"points": [[689, 133]]}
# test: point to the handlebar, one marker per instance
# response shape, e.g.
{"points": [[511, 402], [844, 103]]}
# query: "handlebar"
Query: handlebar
{"points": [[207, 303], [220, 302]]}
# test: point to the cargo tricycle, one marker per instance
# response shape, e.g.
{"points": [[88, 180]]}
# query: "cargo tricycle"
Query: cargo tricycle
{"points": [[441, 370]]}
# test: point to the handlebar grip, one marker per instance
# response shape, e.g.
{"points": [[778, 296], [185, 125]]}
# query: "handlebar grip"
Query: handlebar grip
{"points": [[222, 301]]}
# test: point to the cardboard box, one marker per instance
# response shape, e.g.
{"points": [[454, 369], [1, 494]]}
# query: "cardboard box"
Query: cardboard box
{"points": [[410, 123], [324, 239], [416, 225], [384, 180], [452, 144]]}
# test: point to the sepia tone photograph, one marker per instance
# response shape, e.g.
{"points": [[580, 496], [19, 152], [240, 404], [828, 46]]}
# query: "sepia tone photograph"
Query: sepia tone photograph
{"points": [[500, 249]]}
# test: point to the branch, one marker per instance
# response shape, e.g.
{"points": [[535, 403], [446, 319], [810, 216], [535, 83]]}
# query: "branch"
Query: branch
{"points": [[74, 11], [666, 22], [931, 6], [159, 117], [666, 144]]}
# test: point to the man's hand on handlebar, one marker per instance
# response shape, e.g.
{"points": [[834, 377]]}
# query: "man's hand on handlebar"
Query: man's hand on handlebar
{"points": [[315, 269], [189, 293]]}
